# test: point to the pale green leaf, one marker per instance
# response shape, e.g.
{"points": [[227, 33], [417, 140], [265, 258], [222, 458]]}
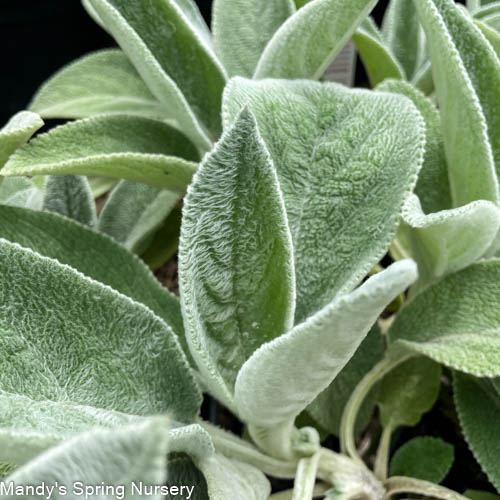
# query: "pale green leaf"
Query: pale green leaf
{"points": [[175, 62], [71, 196], [140, 453], [493, 21], [448, 240], [280, 379], [377, 58], [467, 78], [16, 132], [478, 406], [191, 439], [409, 391], [242, 30], [345, 170], [20, 192], [229, 479], [117, 354], [235, 257], [120, 146], [328, 407], [404, 35], [426, 458], [433, 186], [28, 426], [456, 321], [182, 470], [491, 34], [486, 9], [133, 212], [306, 44], [101, 82], [94, 255]]}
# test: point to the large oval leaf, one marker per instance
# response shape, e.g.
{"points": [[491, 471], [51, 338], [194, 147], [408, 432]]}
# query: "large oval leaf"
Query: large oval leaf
{"points": [[456, 321], [235, 257], [117, 354], [309, 41], [121, 146], [345, 170]]}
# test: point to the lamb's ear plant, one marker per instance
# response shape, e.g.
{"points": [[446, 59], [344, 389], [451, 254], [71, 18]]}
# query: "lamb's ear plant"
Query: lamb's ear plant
{"points": [[296, 193]]}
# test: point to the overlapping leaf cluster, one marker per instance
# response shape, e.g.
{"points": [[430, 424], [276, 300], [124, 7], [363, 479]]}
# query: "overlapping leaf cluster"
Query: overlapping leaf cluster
{"points": [[295, 191]]}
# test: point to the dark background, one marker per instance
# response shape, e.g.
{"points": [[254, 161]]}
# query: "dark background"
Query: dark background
{"points": [[37, 37]]}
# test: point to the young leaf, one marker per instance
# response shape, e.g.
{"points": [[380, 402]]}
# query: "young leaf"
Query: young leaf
{"points": [[376, 56], [433, 187], [117, 354], [235, 257], [242, 30], [100, 185], [306, 44], [409, 391], [16, 132], [453, 324], [327, 408], [191, 439], [20, 192], [345, 170], [492, 35], [231, 479], [473, 148], [119, 146], [101, 82], [404, 35], [162, 43], [426, 458], [478, 405], [279, 380], [94, 255], [133, 212], [70, 195], [85, 460], [449, 240]]}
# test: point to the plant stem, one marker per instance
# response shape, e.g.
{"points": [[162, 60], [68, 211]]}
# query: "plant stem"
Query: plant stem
{"points": [[400, 484], [347, 424], [305, 479], [276, 441], [318, 490], [382, 458]]}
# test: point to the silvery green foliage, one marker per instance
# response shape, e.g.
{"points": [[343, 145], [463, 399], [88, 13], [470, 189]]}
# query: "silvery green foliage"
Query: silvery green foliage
{"points": [[133, 212], [121, 146], [21, 192], [70, 195], [328, 160]]}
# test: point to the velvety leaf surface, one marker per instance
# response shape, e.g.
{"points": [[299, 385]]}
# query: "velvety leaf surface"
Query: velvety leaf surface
{"points": [[491, 34], [379, 62], [478, 405], [345, 170], [235, 257], [306, 44], [328, 407], [280, 379], [448, 240], [467, 78], [191, 439], [426, 458], [70, 195], [456, 321], [142, 458], [20, 192], [404, 35], [120, 146], [181, 470], [433, 187], [242, 29], [101, 82], [133, 212], [229, 479], [16, 132], [117, 354], [94, 255], [409, 391], [101, 185], [177, 64]]}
